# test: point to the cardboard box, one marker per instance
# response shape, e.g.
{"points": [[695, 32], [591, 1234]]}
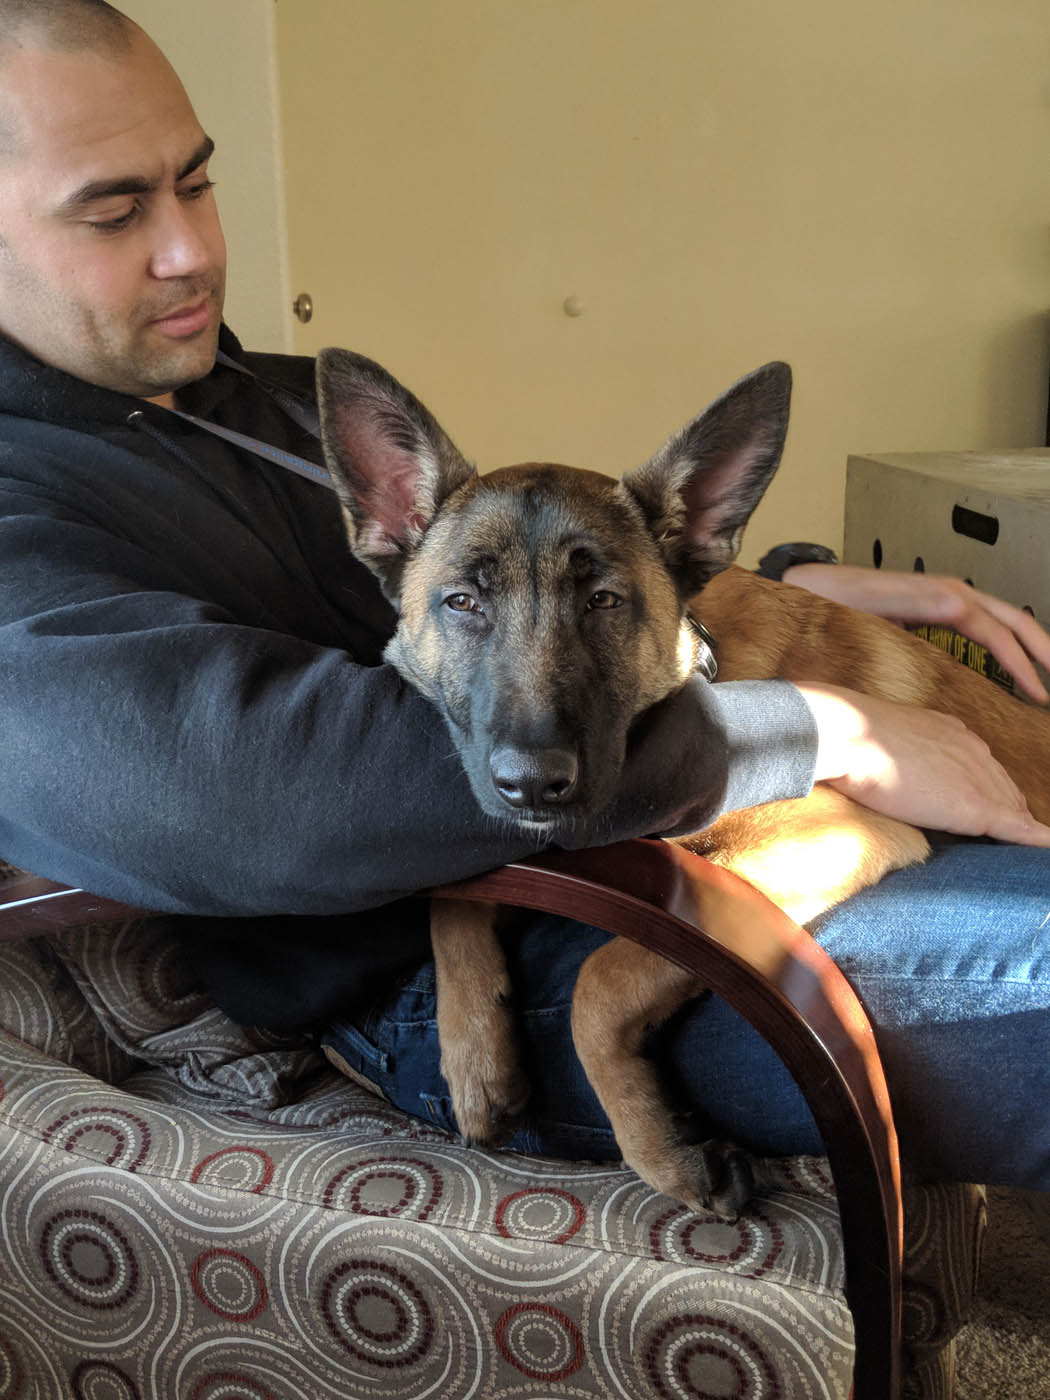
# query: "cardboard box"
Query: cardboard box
{"points": [[981, 516]]}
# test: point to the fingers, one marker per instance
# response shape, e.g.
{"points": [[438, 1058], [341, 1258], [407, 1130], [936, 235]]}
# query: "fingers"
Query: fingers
{"points": [[994, 805], [1022, 829], [1010, 634]]}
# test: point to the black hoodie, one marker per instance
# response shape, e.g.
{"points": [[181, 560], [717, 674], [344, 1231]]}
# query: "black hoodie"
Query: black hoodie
{"points": [[194, 712]]}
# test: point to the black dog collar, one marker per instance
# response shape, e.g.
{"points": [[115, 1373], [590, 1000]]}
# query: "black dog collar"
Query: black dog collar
{"points": [[706, 661]]}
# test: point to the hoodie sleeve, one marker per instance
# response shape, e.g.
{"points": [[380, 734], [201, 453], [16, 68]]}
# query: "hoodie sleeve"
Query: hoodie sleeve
{"points": [[159, 751]]}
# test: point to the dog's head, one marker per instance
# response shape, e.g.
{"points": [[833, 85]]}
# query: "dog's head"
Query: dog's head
{"points": [[542, 608]]}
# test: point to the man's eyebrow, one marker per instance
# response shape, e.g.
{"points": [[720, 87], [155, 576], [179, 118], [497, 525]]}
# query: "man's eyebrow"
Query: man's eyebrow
{"points": [[200, 155], [96, 190]]}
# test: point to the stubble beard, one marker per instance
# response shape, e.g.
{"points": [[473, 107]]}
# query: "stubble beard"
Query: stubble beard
{"points": [[156, 364], [117, 350]]}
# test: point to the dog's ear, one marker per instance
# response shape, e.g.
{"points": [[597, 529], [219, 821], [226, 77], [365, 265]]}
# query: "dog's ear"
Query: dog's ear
{"points": [[391, 462], [698, 492]]}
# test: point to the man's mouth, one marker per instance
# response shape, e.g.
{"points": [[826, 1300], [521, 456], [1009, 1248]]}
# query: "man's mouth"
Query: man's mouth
{"points": [[186, 320]]}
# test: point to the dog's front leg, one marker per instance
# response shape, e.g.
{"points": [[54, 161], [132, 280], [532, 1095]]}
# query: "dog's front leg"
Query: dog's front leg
{"points": [[479, 1056], [622, 992]]}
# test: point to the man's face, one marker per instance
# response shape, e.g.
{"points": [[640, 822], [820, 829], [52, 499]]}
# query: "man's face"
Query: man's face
{"points": [[112, 260]]}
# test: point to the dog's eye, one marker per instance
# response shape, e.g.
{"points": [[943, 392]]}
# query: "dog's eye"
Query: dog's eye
{"points": [[462, 602], [603, 599]]}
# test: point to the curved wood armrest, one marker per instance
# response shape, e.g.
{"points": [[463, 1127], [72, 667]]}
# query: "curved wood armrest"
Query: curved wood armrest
{"points": [[770, 970], [748, 952], [30, 905]]}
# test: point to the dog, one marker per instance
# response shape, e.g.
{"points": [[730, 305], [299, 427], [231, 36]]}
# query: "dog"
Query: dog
{"points": [[542, 609]]}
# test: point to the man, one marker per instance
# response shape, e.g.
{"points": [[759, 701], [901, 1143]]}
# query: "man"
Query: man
{"points": [[194, 709]]}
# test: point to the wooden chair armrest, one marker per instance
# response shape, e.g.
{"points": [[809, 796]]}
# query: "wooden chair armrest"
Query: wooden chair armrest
{"points": [[770, 970], [30, 906], [748, 952]]}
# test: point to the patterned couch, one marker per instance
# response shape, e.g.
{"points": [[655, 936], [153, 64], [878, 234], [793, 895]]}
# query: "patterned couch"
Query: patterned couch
{"points": [[195, 1211]]}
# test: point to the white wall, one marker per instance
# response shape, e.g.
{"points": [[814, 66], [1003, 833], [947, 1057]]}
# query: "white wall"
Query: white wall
{"points": [[860, 189], [224, 52]]}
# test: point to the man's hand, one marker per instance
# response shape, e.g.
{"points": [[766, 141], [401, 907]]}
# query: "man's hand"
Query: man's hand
{"points": [[1012, 636], [917, 765]]}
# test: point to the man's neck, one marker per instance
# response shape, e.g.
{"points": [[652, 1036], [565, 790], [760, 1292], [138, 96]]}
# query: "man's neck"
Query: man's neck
{"points": [[164, 400]]}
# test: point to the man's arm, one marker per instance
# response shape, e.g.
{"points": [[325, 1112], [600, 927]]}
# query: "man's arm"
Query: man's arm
{"points": [[161, 752]]}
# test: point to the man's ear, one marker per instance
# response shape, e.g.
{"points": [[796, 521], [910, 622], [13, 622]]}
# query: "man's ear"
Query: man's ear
{"points": [[391, 462], [698, 492]]}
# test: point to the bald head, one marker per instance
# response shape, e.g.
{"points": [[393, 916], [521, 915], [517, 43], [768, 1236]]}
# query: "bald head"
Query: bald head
{"points": [[65, 25]]}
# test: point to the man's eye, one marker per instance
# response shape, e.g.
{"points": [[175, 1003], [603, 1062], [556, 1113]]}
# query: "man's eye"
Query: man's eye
{"points": [[604, 598], [462, 602], [198, 190], [115, 224]]}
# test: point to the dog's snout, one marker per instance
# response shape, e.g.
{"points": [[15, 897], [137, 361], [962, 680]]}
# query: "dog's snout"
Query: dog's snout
{"points": [[534, 778]]}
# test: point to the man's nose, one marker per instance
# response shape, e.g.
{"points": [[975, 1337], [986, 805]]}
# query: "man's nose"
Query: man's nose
{"points": [[182, 247]]}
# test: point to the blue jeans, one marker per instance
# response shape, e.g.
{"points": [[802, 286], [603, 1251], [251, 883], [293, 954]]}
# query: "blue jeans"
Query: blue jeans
{"points": [[952, 963]]}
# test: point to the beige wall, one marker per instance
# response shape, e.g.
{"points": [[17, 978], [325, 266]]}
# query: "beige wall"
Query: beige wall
{"points": [[225, 53], [860, 189]]}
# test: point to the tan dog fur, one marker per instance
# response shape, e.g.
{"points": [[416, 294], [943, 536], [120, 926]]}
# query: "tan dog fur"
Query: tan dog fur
{"points": [[437, 534], [807, 854]]}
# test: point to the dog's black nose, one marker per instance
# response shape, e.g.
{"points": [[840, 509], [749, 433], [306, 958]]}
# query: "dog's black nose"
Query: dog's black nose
{"points": [[536, 778]]}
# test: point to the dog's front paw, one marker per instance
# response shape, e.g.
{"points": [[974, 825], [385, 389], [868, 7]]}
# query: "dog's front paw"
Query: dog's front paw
{"points": [[487, 1085], [723, 1180], [711, 1178], [476, 1026]]}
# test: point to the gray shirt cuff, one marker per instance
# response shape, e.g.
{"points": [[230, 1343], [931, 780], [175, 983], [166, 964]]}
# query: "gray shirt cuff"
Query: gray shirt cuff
{"points": [[772, 740]]}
